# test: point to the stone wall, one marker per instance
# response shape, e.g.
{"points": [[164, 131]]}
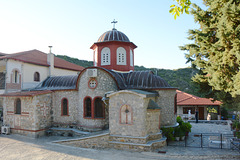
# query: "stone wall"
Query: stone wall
{"points": [[34, 118], [73, 108], [105, 83], [152, 121], [138, 127], [166, 102], [99, 141]]}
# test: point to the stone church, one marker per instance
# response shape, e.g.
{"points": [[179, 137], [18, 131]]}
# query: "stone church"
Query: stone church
{"points": [[133, 105]]}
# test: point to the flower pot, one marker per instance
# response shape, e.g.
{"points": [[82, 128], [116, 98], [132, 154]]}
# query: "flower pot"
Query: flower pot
{"points": [[177, 138], [182, 138]]}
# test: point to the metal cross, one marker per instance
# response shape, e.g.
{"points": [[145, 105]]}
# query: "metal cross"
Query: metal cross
{"points": [[114, 23]]}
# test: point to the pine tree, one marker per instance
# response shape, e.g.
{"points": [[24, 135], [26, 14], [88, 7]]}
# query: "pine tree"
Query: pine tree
{"points": [[216, 47]]}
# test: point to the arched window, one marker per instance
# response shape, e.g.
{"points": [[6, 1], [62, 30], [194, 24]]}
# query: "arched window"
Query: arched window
{"points": [[18, 106], [15, 78], [98, 108], [65, 107], [36, 77], [105, 56], [121, 56], [131, 58], [125, 115], [88, 107]]}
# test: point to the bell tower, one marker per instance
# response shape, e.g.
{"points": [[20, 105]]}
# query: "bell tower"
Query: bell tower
{"points": [[114, 51]]}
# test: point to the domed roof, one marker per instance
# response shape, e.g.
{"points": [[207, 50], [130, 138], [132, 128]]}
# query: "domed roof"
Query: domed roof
{"points": [[113, 35]]}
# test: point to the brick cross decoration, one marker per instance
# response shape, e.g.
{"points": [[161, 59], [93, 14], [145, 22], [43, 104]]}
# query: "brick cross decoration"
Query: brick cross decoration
{"points": [[44, 110]]}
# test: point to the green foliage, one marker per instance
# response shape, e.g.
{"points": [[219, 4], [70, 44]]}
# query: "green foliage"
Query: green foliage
{"points": [[179, 120], [181, 7], [212, 109], [180, 78], [236, 125], [168, 132], [76, 61], [224, 112], [216, 48]]}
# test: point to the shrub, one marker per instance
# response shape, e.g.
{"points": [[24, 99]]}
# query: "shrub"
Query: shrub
{"points": [[168, 132]]}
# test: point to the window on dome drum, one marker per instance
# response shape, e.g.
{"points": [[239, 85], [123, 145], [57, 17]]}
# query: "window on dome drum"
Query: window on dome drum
{"points": [[88, 107], [131, 58], [98, 108], [105, 56], [15, 76], [64, 107], [18, 106], [121, 56], [36, 77], [186, 109]]}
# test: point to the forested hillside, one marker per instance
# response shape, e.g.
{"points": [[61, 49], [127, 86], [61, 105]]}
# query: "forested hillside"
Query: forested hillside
{"points": [[180, 78]]}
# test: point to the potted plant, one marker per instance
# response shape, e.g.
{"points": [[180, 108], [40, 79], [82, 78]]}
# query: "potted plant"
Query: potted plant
{"points": [[186, 128], [177, 133], [168, 132]]}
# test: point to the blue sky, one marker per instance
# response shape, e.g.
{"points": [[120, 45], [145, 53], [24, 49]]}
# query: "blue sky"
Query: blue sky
{"points": [[72, 26]]}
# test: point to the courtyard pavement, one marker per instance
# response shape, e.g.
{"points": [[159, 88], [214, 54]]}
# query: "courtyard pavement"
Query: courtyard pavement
{"points": [[16, 147]]}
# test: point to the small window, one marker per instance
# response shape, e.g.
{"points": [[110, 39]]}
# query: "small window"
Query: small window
{"points": [[36, 77], [64, 107], [92, 83], [121, 56], [88, 107], [186, 110], [15, 76], [98, 108], [18, 106]]}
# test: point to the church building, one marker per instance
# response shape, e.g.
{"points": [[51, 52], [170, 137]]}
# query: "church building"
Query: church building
{"points": [[133, 105]]}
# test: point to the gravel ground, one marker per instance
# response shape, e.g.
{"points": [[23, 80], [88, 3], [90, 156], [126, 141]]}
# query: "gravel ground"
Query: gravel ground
{"points": [[18, 147]]}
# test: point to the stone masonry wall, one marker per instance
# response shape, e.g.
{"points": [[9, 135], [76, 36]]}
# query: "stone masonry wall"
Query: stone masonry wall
{"points": [[105, 83], [43, 105], [138, 126], [153, 120], [166, 102], [73, 108], [34, 117]]}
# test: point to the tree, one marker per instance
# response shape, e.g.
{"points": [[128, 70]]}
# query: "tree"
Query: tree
{"points": [[216, 47], [181, 7]]}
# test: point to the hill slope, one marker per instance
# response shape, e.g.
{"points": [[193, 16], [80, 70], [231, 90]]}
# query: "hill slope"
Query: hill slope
{"points": [[179, 78]]}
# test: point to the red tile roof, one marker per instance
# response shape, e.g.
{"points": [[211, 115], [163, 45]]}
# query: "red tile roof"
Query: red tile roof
{"points": [[40, 58], [185, 99], [25, 93]]}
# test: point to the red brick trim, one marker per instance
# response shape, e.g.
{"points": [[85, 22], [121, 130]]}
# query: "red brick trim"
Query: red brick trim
{"points": [[93, 104], [91, 80], [120, 115], [84, 108], [92, 108], [28, 130]]}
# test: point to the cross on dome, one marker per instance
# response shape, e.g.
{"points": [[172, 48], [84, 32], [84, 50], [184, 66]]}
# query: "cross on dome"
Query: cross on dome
{"points": [[114, 22]]}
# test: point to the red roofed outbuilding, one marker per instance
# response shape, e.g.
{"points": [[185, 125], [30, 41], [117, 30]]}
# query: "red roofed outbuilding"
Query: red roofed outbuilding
{"points": [[186, 102]]}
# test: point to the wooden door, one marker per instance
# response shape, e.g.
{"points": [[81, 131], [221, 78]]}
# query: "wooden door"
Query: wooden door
{"points": [[201, 113]]}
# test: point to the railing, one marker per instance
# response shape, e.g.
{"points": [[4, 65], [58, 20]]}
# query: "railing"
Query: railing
{"points": [[208, 140]]}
